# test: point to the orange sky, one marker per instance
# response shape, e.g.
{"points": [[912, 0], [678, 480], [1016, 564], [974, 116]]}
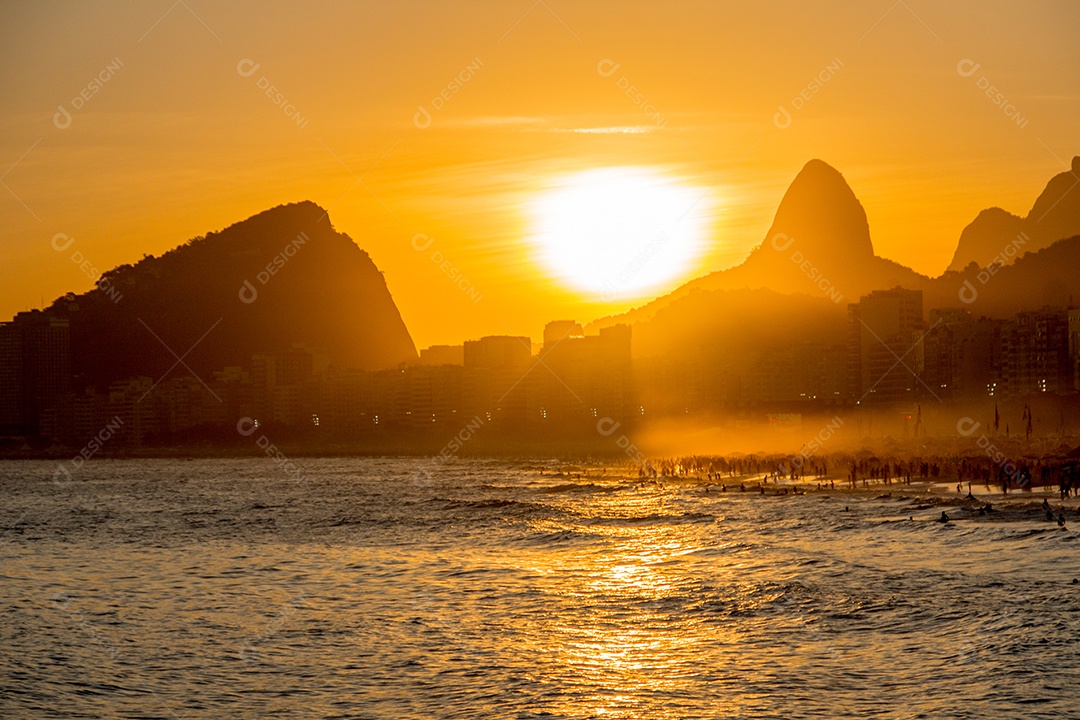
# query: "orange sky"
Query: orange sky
{"points": [[174, 139]]}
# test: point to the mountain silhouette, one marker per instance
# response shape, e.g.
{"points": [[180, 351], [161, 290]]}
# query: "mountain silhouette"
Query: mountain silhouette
{"points": [[821, 214], [818, 251], [998, 235], [818, 245], [1045, 277], [280, 278]]}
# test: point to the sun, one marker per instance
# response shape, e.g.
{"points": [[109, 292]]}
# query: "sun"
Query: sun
{"points": [[619, 233]]}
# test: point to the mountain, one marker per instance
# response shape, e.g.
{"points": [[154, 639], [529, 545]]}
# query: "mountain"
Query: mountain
{"points": [[1044, 277], [818, 256], [751, 321], [821, 214], [818, 245], [280, 278], [998, 235]]}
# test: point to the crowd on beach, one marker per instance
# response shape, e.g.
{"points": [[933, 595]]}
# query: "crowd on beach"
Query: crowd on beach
{"points": [[864, 470]]}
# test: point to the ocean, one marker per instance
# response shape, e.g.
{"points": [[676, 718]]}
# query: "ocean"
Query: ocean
{"points": [[395, 588]]}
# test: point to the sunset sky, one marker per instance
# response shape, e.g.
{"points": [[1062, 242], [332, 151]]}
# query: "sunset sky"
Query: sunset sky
{"points": [[134, 126]]}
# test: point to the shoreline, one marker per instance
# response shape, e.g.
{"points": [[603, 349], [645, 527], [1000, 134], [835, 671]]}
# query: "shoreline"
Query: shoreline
{"points": [[942, 491]]}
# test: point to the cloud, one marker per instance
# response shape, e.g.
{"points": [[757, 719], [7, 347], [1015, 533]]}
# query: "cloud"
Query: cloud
{"points": [[547, 125], [612, 130]]}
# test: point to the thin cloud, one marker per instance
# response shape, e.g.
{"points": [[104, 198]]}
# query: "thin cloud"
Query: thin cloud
{"points": [[547, 125]]}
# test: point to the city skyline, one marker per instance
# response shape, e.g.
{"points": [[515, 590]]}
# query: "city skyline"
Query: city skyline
{"points": [[895, 364], [817, 320]]}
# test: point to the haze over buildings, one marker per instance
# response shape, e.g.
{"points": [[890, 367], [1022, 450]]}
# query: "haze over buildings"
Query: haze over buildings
{"points": [[288, 324]]}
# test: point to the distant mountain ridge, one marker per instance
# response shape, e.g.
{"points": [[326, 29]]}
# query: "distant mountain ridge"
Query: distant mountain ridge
{"points": [[279, 278], [998, 235]]}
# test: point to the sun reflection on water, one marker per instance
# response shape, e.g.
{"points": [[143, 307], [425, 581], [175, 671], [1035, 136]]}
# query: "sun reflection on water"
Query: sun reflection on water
{"points": [[631, 644]]}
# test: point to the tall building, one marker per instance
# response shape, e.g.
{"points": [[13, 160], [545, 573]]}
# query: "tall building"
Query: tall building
{"points": [[798, 376], [885, 348], [1074, 345], [443, 355], [35, 370], [558, 330], [960, 354], [1035, 353], [495, 378], [583, 376], [435, 394], [284, 384], [138, 408]]}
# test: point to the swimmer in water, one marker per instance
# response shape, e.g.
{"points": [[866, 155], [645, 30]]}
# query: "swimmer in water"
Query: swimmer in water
{"points": [[944, 518]]}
